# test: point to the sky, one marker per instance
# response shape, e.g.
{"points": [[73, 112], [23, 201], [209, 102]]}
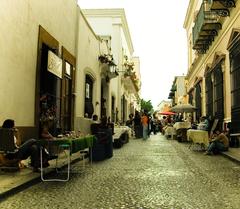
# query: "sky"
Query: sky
{"points": [[159, 40]]}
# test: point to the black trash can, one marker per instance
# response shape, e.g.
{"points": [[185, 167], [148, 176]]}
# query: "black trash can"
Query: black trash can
{"points": [[98, 149], [109, 144], [98, 152]]}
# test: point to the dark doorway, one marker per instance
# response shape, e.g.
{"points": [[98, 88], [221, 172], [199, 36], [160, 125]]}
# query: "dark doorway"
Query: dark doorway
{"points": [[198, 101], [218, 95], [209, 94], [50, 94]]}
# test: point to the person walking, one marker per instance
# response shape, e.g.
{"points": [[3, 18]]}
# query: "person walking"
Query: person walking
{"points": [[144, 121], [137, 125]]}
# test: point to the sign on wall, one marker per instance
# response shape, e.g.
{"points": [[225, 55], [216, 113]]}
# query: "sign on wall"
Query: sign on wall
{"points": [[87, 91], [54, 64]]}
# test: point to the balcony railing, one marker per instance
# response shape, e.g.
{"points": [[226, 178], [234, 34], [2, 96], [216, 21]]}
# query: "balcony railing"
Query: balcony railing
{"points": [[206, 27], [222, 7], [209, 21], [224, 3]]}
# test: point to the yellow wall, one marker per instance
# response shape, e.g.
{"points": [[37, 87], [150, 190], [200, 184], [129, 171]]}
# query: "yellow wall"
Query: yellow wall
{"points": [[198, 64]]}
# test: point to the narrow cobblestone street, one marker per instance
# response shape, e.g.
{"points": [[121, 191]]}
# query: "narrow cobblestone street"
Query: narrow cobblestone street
{"points": [[152, 174]]}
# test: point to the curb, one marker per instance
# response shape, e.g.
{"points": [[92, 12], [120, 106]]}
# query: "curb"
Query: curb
{"points": [[231, 157], [19, 188]]}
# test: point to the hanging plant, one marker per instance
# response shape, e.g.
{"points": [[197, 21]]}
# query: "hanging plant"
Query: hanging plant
{"points": [[107, 59]]}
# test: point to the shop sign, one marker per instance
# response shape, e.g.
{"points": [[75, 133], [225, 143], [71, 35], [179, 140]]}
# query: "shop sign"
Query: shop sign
{"points": [[54, 64]]}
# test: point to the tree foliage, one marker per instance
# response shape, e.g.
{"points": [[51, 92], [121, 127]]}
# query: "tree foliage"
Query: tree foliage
{"points": [[146, 106]]}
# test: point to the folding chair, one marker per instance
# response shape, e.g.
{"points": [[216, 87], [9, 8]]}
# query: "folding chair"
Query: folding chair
{"points": [[65, 147]]}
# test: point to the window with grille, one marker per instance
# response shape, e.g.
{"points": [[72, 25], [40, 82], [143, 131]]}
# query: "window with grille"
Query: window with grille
{"points": [[209, 94], [198, 101], [235, 85]]}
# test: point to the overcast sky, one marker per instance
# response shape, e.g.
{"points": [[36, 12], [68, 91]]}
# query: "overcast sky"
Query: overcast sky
{"points": [[159, 39]]}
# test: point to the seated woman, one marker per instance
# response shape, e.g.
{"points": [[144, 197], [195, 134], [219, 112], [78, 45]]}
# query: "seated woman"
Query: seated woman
{"points": [[204, 124], [218, 143], [30, 148]]}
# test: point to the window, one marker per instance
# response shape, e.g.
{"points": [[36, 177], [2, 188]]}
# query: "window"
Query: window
{"points": [[198, 101], [218, 92], [209, 94], [88, 109]]}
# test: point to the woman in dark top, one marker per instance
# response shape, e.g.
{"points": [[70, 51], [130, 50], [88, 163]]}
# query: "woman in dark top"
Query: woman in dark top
{"points": [[30, 148]]}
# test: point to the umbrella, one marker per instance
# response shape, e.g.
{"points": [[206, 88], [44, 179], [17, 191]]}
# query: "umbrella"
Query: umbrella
{"points": [[167, 113], [180, 108]]}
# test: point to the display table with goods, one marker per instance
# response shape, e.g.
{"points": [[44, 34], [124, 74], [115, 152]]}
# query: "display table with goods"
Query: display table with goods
{"points": [[62, 149]]}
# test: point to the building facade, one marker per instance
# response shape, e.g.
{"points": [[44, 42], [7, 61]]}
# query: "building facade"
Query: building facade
{"points": [[178, 93], [124, 94], [50, 67], [212, 28]]}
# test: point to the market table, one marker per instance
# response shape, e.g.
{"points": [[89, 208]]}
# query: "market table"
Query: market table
{"points": [[198, 137], [72, 145]]}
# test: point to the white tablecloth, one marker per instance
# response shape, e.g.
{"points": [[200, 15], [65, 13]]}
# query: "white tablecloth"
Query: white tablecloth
{"points": [[118, 131], [179, 125], [169, 131], [198, 136]]}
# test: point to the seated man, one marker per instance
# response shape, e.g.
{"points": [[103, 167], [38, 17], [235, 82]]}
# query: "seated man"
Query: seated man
{"points": [[218, 143]]}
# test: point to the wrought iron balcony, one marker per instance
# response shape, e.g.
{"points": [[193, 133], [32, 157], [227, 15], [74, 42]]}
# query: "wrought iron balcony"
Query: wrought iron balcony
{"points": [[221, 6], [206, 27]]}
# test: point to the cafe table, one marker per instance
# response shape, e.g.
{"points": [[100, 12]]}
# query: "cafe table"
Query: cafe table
{"points": [[181, 129], [182, 125], [68, 145], [169, 130], [198, 137]]}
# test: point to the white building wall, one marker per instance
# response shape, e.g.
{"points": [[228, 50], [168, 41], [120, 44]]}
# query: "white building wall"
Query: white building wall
{"points": [[89, 46], [20, 22], [111, 22]]}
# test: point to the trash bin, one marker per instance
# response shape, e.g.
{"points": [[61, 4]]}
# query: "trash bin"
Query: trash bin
{"points": [[98, 152], [109, 144]]}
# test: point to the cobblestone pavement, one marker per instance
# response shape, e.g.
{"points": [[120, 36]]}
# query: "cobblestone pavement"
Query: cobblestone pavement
{"points": [[152, 174]]}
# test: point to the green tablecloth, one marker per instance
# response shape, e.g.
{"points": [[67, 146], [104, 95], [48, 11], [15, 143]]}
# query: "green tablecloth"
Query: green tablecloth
{"points": [[76, 144]]}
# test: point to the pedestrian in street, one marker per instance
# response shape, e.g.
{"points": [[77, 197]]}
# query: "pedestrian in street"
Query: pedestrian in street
{"points": [[144, 121], [137, 125], [218, 143]]}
